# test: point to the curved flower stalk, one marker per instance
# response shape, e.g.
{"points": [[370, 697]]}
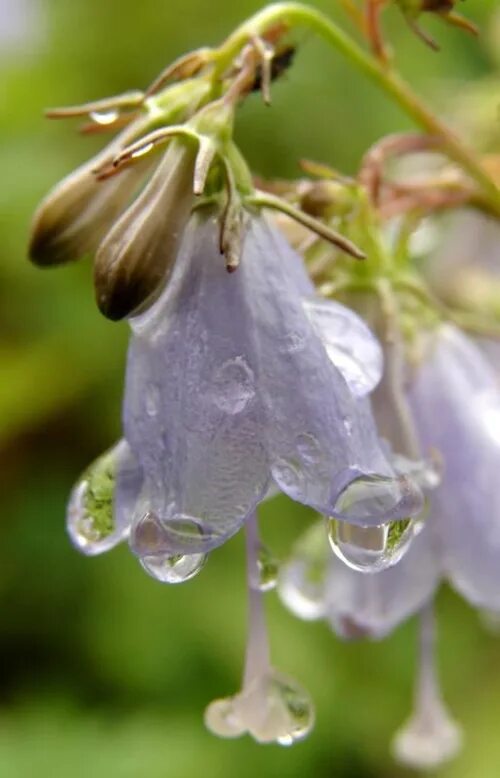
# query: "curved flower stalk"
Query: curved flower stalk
{"points": [[455, 404]]}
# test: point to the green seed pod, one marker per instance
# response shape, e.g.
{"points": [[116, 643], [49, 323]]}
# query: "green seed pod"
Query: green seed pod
{"points": [[136, 258], [74, 217]]}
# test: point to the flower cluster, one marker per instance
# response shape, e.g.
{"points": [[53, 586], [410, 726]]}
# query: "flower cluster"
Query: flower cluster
{"points": [[264, 358]]}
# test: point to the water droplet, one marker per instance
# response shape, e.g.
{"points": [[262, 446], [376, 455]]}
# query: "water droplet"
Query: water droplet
{"points": [[372, 500], [90, 516], [287, 474], [173, 569], [152, 400], [221, 719], [301, 584], [267, 570], [140, 152], [104, 117], [233, 386], [348, 426], [302, 591], [271, 708], [291, 342], [155, 537], [297, 710], [370, 549], [308, 448]]}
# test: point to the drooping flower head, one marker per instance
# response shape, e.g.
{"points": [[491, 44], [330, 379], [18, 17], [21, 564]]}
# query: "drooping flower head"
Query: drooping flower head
{"points": [[455, 404]]}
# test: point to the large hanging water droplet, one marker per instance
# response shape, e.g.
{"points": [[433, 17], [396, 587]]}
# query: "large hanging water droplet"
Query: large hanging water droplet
{"points": [[297, 709], [266, 575], [374, 500], [371, 549], [90, 517], [173, 569]]}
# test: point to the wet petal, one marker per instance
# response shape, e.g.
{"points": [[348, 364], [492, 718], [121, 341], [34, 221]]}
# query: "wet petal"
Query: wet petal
{"points": [[348, 342], [373, 604], [193, 414], [457, 408], [137, 256], [319, 438]]}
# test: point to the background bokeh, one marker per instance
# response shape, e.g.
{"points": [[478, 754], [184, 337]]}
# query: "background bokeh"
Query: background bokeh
{"points": [[104, 673]]}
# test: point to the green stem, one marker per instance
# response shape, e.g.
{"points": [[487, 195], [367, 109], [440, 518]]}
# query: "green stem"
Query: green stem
{"points": [[386, 78]]}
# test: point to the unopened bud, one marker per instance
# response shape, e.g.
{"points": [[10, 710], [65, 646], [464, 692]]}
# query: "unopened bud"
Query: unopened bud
{"points": [[137, 256], [74, 217]]}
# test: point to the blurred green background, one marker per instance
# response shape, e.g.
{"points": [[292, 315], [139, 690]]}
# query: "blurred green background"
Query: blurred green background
{"points": [[104, 672]]}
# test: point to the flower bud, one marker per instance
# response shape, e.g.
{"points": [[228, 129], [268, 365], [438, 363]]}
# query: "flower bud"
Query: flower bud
{"points": [[136, 257], [74, 217]]}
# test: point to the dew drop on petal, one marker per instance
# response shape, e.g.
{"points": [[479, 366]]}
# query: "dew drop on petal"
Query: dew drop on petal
{"points": [[291, 343], [288, 475], [152, 400], [173, 569], [233, 386], [221, 719], [371, 549], [308, 448]]}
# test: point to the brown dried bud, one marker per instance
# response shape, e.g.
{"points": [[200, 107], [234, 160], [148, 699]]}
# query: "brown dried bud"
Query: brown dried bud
{"points": [[74, 217], [136, 258]]}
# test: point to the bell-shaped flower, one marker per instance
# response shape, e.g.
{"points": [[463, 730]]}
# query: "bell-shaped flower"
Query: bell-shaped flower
{"points": [[455, 404], [231, 385], [236, 381]]}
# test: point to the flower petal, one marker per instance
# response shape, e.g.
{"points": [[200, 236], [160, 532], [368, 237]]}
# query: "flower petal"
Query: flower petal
{"points": [[319, 438], [348, 342], [373, 604], [193, 414], [457, 408]]}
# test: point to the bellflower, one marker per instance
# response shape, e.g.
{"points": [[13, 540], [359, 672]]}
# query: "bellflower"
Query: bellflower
{"points": [[237, 381], [455, 403]]}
